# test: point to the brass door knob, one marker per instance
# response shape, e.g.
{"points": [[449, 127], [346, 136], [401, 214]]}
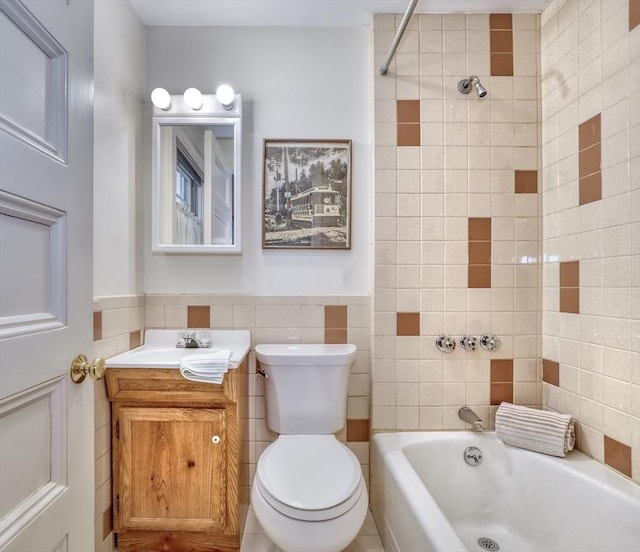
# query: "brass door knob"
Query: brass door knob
{"points": [[81, 368]]}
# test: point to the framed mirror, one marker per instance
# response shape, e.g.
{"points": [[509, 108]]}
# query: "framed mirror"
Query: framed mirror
{"points": [[196, 177]]}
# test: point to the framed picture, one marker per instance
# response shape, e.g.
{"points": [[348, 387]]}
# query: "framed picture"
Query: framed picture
{"points": [[306, 194]]}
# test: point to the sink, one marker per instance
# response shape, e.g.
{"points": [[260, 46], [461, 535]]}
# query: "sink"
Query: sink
{"points": [[160, 351], [144, 355]]}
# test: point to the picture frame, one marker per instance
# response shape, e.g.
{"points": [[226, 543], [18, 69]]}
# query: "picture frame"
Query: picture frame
{"points": [[306, 194]]}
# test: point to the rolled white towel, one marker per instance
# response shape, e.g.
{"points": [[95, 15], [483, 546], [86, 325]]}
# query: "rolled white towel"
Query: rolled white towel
{"points": [[537, 430], [206, 367]]}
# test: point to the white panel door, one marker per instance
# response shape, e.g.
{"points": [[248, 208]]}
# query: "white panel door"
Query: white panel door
{"points": [[46, 165], [218, 193]]}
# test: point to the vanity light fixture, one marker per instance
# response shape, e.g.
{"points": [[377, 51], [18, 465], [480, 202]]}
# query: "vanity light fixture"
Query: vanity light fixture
{"points": [[193, 98], [225, 96], [161, 99]]}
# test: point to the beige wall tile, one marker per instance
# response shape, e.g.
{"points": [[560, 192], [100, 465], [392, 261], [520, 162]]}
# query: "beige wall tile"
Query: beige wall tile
{"points": [[458, 149]]}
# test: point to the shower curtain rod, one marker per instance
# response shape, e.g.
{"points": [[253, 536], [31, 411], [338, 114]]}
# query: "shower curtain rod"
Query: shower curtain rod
{"points": [[396, 40]]}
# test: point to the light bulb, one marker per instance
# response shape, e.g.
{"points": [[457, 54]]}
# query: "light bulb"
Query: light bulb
{"points": [[161, 98], [225, 96], [193, 98]]}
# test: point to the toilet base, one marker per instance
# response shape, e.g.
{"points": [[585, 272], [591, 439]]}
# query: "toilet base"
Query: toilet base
{"points": [[292, 535]]}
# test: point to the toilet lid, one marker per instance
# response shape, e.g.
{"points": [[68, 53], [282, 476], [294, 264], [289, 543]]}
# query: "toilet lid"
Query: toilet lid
{"points": [[309, 477]]}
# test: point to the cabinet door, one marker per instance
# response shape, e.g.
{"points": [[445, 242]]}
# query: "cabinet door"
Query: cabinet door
{"points": [[172, 466]]}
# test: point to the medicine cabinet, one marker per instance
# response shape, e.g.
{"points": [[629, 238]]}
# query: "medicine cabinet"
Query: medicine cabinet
{"points": [[196, 177]]}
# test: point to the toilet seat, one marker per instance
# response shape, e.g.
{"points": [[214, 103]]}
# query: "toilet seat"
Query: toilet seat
{"points": [[309, 477]]}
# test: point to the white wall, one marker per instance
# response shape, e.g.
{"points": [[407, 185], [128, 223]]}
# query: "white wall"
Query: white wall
{"points": [[119, 155], [296, 82]]}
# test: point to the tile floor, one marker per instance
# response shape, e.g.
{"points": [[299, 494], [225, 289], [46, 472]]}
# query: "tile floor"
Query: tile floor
{"points": [[254, 539]]}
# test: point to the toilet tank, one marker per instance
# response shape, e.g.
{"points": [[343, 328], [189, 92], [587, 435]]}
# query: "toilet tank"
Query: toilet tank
{"points": [[306, 387]]}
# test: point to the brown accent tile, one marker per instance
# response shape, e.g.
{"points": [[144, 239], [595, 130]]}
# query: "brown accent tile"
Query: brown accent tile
{"points": [[335, 335], [502, 370], [407, 323], [408, 134], [634, 14], [502, 65], [570, 300], [408, 111], [589, 132], [589, 160], [501, 392], [500, 21], [570, 274], [97, 326], [135, 339], [617, 455], [526, 182], [335, 316], [479, 270], [479, 276], [107, 522], [590, 188], [501, 41], [479, 252], [480, 229], [357, 430], [551, 372], [198, 316]]}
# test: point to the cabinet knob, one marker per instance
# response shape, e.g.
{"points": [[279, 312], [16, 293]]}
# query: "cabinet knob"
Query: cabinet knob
{"points": [[215, 439]]}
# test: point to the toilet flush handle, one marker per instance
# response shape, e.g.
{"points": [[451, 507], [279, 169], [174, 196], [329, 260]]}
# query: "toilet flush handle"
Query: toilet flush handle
{"points": [[261, 370]]}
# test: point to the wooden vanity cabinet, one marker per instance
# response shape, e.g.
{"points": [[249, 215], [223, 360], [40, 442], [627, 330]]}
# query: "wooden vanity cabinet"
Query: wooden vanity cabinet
{"points": [[176, 460]]}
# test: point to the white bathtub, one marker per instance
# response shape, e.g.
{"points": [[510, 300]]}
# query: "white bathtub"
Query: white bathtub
{"points": [[426, 498]]}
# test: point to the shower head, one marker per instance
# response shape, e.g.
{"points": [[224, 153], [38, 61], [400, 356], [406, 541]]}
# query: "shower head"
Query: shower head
{"points": [[464, 86]]}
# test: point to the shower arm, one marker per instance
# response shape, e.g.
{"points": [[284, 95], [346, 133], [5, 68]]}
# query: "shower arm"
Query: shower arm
{"points": [[396, 40]]}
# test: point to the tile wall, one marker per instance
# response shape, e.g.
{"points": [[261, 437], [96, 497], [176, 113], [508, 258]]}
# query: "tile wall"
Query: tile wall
{"points": [[118, 325], [591, 222], [457, 233]]}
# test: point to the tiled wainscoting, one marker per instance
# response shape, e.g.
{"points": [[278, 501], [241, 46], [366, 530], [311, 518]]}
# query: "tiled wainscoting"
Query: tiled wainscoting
{"points": [[119, 324], [282, 319]]}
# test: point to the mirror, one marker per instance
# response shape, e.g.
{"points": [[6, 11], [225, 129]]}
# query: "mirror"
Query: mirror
{"points": [[196, 178]]}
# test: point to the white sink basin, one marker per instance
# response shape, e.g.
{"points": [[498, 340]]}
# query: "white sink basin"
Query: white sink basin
{"points": [[160, 351]]}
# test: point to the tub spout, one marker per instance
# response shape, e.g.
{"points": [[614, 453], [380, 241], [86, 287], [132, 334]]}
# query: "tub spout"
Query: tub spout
{"points": [[469, 416]]}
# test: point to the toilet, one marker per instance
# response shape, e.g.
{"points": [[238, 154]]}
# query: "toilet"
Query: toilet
{"points": [[308, 493]]}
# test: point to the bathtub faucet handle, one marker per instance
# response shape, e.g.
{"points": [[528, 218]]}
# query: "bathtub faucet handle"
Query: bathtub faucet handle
{"points": [[445, 343], [490, 342], [469, 342]]}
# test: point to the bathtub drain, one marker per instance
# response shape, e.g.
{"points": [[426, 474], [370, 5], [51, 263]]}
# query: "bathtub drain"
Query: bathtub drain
{"points": [[488, 544]]}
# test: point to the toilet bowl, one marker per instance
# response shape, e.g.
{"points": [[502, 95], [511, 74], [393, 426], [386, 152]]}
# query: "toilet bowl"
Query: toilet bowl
{"points": [[308, 492]]}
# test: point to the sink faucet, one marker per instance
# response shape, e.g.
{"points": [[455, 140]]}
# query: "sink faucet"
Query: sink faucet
{"points": [[189, 340], [469, 416]]}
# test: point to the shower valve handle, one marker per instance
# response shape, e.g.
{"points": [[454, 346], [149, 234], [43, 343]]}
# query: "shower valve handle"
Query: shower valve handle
{"points": [[490, 342], [469, 342], [445, 343]]}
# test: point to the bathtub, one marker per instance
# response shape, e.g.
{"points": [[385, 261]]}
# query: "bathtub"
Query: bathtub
{"points": [[425, 498]]}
